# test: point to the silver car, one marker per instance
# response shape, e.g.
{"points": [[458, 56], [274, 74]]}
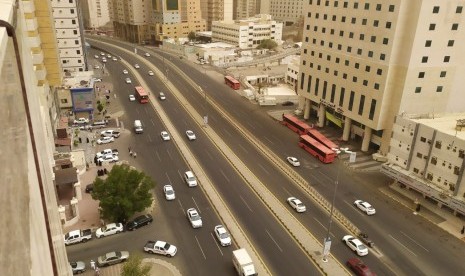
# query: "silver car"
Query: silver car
{"points": [[112, 258], [77, 267]]}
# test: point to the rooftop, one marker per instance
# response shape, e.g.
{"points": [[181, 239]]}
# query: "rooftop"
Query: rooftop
{"points": [[445, 123]]}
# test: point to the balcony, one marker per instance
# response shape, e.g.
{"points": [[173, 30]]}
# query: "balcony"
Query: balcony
{"points": [[32, 24], [34, 40], [40, 71], [28, 6], [37, 56]]}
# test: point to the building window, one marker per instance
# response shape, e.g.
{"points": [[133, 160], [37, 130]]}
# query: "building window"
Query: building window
{"points": [[317, 83], [64, 101], [376, 23], [455, 27], [439, 88], [362, 37], [436, 9], [443, 74], [385, 41], [370, 53], [333, 93], [376, 86], [424, 59], [367, 68], [415, 170], [456, 170], [382, 56], [365, 82], [459, 9], [341, 97], [419, 155], [432, 27], [354, 79], [438, 144], [325, 85], [379, 72], [446, 58], [367, 6], [388, 25], [372, 110], [353, 20], [76, 42], [73, 21], [434, 160], [391, 8], [450, 43], [421, 75], [428, 43], [344, 76], [429, 176], [462, 154], [343, 19], [417, 89], [378, 7], [373, 38], [351, 100]]}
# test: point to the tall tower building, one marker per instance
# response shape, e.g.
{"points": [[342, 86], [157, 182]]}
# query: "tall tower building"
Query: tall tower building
{"points": [[287, 11], [363, 63], [130, 19], [69, 35], [29, 68], [95, 13], [246, 8], [216, 10]]}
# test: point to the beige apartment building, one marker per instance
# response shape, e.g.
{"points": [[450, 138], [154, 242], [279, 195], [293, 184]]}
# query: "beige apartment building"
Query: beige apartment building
{"points": [[216, 10], [130, 19], [246, 8], [427, 154], [34, 245], [365, 62], [287, 11], [95, 13]]}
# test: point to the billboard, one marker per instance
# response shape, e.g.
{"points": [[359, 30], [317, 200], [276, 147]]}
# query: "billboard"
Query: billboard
{"points": [[83, 99]]}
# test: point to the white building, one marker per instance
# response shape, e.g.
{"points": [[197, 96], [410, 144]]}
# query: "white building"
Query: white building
{"points": [[247, 33], [68, 33], [428, 155], [95, 13], [292, 72], [363, 63]]}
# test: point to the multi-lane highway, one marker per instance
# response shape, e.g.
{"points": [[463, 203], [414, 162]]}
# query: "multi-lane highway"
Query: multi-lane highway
{"points": [[406, 244]]}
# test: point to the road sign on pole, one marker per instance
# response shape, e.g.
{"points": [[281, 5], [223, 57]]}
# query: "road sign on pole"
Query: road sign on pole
{"points": [[326, 248]]}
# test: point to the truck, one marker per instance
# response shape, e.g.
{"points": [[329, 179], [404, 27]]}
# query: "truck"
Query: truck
{"points": [[77, 236], [243, 263], [106, 152], [160, 247], [110, 133]]}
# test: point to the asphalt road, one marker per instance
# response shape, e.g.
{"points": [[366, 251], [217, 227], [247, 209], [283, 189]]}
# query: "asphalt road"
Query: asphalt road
{"points": [[407, 243], [165, 165]]}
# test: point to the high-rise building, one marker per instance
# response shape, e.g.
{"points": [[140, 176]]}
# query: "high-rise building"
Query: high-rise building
{"points": [[130, 19], [95, 13], [363, 63], [68, 28], [246, 8], [287, 11], [216, 10], [29, 69]]}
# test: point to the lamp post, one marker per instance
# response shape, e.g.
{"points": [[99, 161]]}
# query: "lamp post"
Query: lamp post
{"points": [[205, 118], [327, 240]]}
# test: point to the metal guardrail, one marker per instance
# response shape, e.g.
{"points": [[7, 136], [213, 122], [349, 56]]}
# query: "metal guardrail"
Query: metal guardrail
{"points": [[261, 60]]}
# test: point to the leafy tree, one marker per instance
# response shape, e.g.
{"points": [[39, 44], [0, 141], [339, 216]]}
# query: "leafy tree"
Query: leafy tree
{"points": [[123, 193], [134, 267], [191, 36], [100, 107], [267, 44]]}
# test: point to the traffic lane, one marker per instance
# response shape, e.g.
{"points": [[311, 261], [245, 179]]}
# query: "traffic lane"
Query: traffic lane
{"points": [[142, 155]]}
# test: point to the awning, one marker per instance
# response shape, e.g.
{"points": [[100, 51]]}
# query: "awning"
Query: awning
{"points": [[333, 119]]}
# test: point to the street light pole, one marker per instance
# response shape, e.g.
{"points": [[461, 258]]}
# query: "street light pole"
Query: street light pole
{"points": [[205, 118], [327, 240]]}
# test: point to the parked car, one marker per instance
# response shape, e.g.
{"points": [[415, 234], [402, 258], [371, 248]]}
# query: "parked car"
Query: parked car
{"points": [[105, 140], [296, 204], [89, 188], [194, 218], [77, 236], [136, 66], [190, 179], [96, 66], [111, 158], [365, 207], [190, 135], [109, 229], [160, 247], [114, 59], [128, 80], [112, 258], [78, 267], [106, 152], [139, 222], [355, 245], [81, 121], [147, 54], [165, 136], [222, 235], [293, 161], [125, 72], [359, 268], [110, 133], [96, 56], [169, 192], [132, 98], [97, 80]]}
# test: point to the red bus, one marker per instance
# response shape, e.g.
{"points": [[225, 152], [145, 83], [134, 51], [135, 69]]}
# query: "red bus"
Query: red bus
{"points": [[315, 134], [295, 124], [317, 149], [141, 95], [232, 82]]}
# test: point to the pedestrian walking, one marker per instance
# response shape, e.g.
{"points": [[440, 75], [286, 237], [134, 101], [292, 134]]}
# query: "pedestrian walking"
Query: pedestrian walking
{"points": [[92, 264], [130, 152], [135, 154], [97, 271], [463, 230]]}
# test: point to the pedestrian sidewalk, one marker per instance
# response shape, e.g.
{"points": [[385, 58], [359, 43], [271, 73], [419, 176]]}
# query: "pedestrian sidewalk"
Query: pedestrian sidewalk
{"points": [[158, 267], [442, 217]]}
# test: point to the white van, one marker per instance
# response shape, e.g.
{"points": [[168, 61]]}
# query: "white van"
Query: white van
{"points": [[138, 126]]}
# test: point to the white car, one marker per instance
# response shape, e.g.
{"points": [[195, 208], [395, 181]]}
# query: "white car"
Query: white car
{"points": [[293, 161], [365, 207], [81, 121], [136, 66], [222, 235], [165, 136], [104, 60], [110, 133], [97, 80], [169, 192], [296, 204], [132, 98], [194, 218], [96, 67], [128, 80], [96, 56], [102, 53], [105, 140], [150, 73], [162, 96], [125, 72], [355, 245], [190, 179], [190, 135], [111, 158], [109, 229], [147, 54], [160, 247], [114, 59]]}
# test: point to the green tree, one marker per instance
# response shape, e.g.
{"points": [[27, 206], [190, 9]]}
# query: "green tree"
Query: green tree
{"points": [[267, 44], [100, 107], [134, 267], [191, 36], [123, 193]]}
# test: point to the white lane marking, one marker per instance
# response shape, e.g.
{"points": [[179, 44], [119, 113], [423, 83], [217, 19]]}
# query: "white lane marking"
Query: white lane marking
{"points": [[325, 175], [286, 190], [209, 155], [324, 227], [153, 123], [169, 153], [414, 241], [146, 110], [150, 138], [227, 179], [276, 138], [137, 110], [263, 168], [212, 119], [242, 147], [180, 204], [403, 245], [250, 124], [273, 240], [214, 240], [158, 155], [198, 243], [245, 202], [198, 209], [227, 132], [167, 176], [266, 138]]}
